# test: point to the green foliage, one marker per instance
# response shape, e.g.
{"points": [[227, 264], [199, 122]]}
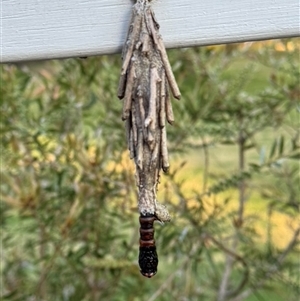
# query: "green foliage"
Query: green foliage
{"points": [[69, 218]]}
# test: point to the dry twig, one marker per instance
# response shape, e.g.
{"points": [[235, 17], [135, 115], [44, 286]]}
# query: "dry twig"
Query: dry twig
{"points": [[145, 75]]}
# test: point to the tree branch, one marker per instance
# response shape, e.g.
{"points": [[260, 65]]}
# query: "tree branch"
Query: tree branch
{"points": [[273, 269]]}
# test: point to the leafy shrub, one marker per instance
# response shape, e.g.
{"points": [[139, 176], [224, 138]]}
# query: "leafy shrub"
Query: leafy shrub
{"points": [[69, 217]]}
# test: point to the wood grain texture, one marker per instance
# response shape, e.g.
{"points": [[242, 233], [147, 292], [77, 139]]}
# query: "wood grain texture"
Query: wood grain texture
{"points": [[43, 29]]}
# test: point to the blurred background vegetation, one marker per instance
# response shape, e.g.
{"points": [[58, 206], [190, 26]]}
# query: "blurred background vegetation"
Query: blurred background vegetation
{"points": [[69, 220]]}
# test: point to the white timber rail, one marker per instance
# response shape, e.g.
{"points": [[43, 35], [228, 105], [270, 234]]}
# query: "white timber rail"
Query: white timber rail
{"points": [[52, 29]]}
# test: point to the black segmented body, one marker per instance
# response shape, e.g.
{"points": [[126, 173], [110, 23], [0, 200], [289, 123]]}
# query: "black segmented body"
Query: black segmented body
{"points": [[148, 259]]}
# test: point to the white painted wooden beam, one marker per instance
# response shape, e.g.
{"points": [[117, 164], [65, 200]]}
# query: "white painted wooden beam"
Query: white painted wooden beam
{"points": [[48, 29]]}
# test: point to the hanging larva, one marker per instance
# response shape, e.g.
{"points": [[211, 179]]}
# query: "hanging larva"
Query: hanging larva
{"points": [[148, 259], [144, 83]]}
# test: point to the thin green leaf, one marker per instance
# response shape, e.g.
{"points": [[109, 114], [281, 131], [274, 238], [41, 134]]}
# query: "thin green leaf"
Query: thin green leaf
{"points": [[295, 156], [273, 149], [281, 145]]}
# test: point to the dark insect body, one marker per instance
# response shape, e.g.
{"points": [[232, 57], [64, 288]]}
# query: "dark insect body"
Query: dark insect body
{"points": [[148, 259], [145, 81]]}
